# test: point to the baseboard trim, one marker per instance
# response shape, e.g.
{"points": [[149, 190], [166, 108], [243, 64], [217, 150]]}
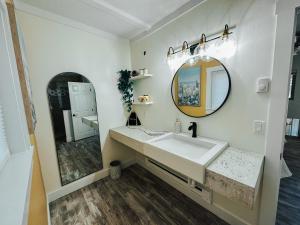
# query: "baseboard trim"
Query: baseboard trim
{"points": [[128, 163], [48, 211], [214, 208], [76, 185]]}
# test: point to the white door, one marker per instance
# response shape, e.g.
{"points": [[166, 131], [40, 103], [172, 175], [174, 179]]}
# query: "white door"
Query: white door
{"points": [[217, 86], [83, 103]]}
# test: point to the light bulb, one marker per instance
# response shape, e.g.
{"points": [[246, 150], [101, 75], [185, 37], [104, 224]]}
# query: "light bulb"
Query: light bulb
{"points": [[226, 45], [192, 60], [203, 51], [170, 60], [229, 47], [185, 55], [202, 48], [174, 62], [178, 61]]}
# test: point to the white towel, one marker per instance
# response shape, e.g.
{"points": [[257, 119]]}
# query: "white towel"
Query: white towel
{"points": [[285, 172]]}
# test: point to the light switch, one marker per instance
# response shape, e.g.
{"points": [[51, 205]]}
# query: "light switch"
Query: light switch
{"points": [[262, 85], [258, 126]]}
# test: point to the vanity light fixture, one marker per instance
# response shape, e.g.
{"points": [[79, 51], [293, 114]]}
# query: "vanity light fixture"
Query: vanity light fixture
{"points": [[225, 46]]}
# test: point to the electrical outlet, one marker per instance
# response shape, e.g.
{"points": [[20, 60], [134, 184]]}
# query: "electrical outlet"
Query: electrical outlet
{"points": [[262, 85], [258, 126]]}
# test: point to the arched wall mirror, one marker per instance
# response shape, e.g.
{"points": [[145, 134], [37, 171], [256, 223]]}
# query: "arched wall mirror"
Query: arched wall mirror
{"points": [[200, 87], [73, 109]]}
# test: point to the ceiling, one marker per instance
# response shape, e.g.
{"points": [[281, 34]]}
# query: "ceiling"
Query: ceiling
{"points": [[124, 18]]}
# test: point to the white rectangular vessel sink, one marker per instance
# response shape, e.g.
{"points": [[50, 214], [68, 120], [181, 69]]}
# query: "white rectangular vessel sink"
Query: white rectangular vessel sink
{"points": [[189, 156]]}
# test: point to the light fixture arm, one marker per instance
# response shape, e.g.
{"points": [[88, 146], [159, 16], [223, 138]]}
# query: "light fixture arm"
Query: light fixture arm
{"points": [[170, 51], [225, 34], [203, 39], [185, 46]]}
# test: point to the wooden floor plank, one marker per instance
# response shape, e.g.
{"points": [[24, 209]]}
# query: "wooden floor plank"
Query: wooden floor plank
{"points": [[288, 210], [137, 198]]}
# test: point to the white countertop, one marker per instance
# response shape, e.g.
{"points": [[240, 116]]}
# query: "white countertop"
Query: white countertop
{"points": [[241, 166], [138, 133], [238, 165]]}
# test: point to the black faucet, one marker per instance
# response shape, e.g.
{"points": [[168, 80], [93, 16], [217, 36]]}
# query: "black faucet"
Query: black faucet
{"points": [[194, 127]]}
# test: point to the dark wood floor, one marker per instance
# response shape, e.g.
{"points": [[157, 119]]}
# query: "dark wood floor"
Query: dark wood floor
{"points": [[288, 211], [138, 197], [78, 159]]}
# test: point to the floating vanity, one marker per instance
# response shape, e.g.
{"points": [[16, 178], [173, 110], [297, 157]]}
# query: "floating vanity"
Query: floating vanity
{"points": [[134, 137], [213, 164]]}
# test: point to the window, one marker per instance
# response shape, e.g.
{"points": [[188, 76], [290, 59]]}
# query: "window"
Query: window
{"points": [[4, 152]]}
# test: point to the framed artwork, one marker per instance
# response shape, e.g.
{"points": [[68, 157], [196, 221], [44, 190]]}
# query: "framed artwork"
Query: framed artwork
{"points": [[189, 86]]}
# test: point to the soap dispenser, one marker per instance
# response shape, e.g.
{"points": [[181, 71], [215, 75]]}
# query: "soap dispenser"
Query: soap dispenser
{"points": [[177, 126]]}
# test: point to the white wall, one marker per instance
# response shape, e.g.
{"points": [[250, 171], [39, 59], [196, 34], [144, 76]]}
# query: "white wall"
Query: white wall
{"points": [[278, 103], [54, 48], [255, 22], [294, 105], [255, 32]]}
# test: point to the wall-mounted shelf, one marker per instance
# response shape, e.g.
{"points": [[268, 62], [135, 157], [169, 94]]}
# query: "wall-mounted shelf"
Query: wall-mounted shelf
{"points": [[142, 103], [139, 77]]}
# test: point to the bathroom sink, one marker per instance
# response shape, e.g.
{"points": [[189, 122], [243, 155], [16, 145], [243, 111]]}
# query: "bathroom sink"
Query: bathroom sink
{"points": [[187, 155], [91, 121]]}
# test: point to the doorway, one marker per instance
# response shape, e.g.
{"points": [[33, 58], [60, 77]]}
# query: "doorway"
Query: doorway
{"points": [[288, 208], [72, 103]]}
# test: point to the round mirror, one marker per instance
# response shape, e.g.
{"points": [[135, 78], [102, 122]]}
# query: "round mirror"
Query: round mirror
{"points": [[200, 87]]}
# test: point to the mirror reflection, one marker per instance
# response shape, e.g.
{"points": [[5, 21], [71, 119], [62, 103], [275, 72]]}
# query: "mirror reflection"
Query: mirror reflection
{"points": [[200, 87], [72, 103]]}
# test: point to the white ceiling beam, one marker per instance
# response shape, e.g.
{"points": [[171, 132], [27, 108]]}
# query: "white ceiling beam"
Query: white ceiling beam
{"points": [[187, 7], [117, 12]]}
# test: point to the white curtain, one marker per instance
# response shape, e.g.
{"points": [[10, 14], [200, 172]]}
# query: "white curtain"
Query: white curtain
{"points": [[4, 151], [26, 71]]}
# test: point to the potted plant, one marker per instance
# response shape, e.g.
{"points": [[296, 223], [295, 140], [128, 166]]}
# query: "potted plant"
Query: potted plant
{"points": [[126, 88]]}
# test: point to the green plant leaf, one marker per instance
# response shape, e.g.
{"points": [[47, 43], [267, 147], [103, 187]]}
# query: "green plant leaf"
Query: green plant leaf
{"points": [[125, 87]]}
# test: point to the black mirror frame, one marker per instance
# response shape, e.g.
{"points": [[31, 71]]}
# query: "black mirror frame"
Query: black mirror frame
{"points": [[226, 98]]}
